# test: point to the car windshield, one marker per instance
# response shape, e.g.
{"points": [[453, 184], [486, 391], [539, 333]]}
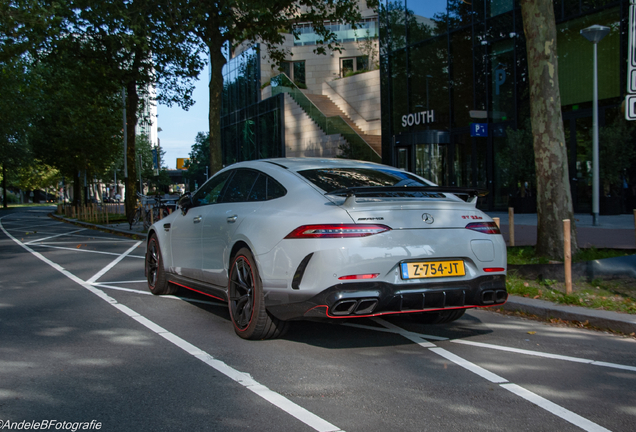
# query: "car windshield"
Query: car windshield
{"points": [[333, 179]]}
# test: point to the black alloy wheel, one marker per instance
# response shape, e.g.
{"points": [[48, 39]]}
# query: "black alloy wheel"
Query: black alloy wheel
{"points": [[246, 301], [155, 273]]}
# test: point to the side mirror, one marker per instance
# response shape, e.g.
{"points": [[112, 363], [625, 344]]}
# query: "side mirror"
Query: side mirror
{"points": [[185, 203]]}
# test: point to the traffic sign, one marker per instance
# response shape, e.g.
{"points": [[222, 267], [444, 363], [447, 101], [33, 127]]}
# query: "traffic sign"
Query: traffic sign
{"points": [[630, 112], [630, 107], [479, 129], [632, 35]]}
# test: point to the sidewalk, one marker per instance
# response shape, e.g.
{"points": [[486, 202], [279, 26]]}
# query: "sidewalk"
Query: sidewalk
{"points": [[614, 232]]}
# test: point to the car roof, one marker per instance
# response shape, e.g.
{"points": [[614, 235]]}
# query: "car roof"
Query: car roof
{"points": [[301, 164]]}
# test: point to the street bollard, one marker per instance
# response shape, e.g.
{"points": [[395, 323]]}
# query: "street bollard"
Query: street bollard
{"points": [[567, 255], [511, 225], [634, 220]]}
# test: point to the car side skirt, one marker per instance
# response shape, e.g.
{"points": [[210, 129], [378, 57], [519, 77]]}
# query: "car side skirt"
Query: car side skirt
{"points": [[201, 288]]}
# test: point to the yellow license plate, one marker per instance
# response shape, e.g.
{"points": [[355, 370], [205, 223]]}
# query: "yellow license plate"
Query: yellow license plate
{"points": [[432, 269]]}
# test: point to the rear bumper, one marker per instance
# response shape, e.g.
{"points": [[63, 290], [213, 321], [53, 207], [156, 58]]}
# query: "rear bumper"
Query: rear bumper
{"points": [[365, 299]]}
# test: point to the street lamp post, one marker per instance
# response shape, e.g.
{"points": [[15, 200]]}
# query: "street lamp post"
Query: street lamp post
{"points": [[594, 34]]}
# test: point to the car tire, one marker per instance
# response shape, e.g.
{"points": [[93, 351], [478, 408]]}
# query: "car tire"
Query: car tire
{"points": [[246, 301], [155, 272], [442, 317]]}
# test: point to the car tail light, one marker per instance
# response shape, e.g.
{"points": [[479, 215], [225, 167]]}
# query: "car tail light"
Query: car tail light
{"points": [[360, 276], [484, 227], [336, 231], [494, 269]]}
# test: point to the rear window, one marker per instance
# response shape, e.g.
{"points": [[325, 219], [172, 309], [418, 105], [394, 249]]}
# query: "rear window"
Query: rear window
{"points": [[333, 179]]}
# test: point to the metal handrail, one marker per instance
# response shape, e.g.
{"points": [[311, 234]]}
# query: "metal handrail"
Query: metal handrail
{"points": [[359, 148]]}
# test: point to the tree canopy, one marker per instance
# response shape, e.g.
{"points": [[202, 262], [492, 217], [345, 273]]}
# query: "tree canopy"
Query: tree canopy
{"points": [[133, 45]]}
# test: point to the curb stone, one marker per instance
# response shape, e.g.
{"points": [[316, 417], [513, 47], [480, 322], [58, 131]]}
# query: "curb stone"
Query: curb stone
{"points": [[127, 233], [616, 321]]}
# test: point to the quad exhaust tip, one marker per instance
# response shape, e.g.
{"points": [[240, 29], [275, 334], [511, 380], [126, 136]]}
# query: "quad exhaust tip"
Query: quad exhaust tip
{"points": [[354, 307], [489, 297]]}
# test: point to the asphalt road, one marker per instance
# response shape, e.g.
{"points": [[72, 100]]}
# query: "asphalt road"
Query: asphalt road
{"points": [[82, 340]]}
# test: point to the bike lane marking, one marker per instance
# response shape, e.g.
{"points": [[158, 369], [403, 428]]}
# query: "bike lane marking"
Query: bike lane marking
{"points": [[276, 399]]}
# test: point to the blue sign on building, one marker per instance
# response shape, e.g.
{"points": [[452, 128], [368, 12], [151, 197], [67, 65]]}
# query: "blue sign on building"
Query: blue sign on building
{"points": [[479, 129]]}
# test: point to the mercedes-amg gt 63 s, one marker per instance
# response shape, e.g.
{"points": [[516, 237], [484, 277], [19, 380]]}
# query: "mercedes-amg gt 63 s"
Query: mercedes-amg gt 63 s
{"points": [[287, 239]]}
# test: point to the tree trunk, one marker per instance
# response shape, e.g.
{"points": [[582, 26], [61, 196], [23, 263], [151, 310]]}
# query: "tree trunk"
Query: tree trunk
{"points": [[554, 200], [5, 204], [132, 102], [216, 89], [77, 191]]}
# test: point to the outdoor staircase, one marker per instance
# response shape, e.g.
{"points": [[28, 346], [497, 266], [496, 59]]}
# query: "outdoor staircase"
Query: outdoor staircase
{"points": [[330, 109]]}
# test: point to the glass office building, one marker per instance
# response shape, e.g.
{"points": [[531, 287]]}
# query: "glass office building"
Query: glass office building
{"points": [[250, 128], [455, 95]]}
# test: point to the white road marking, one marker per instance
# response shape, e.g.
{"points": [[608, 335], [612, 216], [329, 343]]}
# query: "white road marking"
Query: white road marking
{"points": [[103, 271], [186, 299], [544, 355], [115, 288], [53, 236], [493, 378], [391, 330], [29, 227], [555, 409], [496, 379], [126, 282], [85, 240], [278, 400], [83, 250]]}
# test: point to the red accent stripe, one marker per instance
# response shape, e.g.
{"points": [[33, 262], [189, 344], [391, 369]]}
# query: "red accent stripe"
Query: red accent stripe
{"points": [[398, 312], [200, 292]]}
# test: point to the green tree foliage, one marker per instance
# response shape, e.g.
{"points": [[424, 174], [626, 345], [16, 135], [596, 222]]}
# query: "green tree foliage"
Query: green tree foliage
{"points": [[15, 106], [199, 161], [140, 43], [36, 176], [132, 44], [77, 124]]}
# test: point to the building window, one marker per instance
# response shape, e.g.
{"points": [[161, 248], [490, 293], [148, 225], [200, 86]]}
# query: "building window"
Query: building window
{"points": [[350, 65], [367, 27], [296, 72]]}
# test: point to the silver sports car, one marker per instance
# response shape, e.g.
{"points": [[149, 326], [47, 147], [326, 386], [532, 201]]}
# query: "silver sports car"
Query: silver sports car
{"points": [[287, 239]]}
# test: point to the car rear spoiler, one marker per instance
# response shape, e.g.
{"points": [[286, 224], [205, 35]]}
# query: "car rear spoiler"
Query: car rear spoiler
{"points": [[467, 194]]}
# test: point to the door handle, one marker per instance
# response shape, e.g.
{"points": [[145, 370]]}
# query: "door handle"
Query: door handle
{"points": [[196, 219], [232, 219]]}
